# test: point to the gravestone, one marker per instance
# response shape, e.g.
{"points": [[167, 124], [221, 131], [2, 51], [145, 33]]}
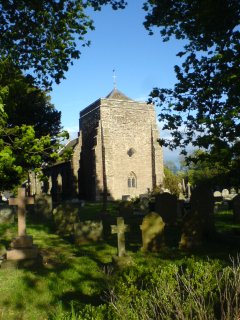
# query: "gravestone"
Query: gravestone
{"points": [[120, 230], [236, 208], [225, 193], [189, 190], [22, 246], [198, 224], [88, 231], [43, 206], [6, 214], [233, 193], [217, 196], [152, 232], [166, 205], [126, 208], [65, 215]]}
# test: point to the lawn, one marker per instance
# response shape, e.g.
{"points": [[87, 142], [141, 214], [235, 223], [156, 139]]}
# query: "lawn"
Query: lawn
{"points": [[70, 277]]}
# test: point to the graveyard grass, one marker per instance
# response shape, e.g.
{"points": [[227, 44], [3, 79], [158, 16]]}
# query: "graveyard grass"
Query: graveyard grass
{"points": [[78, 282]]}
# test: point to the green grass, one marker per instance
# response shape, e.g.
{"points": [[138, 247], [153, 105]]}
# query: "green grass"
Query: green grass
{"points": [[66, 274], [75, 275]]}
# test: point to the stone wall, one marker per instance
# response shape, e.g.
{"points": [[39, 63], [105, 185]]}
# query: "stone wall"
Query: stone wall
{"points": [[119, 142], [129, 147]]}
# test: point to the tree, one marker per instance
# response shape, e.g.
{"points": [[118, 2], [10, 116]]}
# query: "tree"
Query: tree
{"points": [[27, 104], [171, 181], [25, 141], [21, 150], [201, 169], [41, 36], [203, 107]]}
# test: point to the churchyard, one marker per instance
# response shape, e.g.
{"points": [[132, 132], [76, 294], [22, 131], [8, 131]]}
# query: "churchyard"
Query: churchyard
{"points": [[148, 258]]}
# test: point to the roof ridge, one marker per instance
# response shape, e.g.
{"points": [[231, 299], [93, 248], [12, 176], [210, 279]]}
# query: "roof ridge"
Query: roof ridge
{"points": [[117, 94]]}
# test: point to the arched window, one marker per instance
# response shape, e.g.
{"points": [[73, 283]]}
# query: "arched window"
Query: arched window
{"points": [[132, 180]]}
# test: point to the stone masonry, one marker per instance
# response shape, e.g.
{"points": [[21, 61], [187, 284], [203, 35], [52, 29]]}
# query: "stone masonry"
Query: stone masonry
{"points": [[120, 154], [116, 153]]}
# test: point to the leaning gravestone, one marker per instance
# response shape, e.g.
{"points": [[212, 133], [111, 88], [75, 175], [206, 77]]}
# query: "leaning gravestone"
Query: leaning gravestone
{"points": [[236, 208], [88, 231], [152, 232], [166, 205], [22, 246], [198, 224]]}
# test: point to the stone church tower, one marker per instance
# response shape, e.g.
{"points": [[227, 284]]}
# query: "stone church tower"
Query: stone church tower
{"points": [[120, 155]]}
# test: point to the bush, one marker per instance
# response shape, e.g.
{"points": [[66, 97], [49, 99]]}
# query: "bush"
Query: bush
{"points": [[193, 290]]}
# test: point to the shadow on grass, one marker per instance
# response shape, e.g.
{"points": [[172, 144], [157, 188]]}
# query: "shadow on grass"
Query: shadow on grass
{"points": [[69, 273]]}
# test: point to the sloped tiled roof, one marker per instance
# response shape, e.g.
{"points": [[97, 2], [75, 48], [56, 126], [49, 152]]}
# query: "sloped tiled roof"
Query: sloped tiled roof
{"points": [[70, 145], [116, 94]]}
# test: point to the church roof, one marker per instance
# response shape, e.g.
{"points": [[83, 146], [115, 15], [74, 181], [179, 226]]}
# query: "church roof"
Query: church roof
{"points": [[70, 145], [116, 94]]}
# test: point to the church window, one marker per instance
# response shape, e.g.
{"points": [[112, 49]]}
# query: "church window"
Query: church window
{"points": [[132, 180], [131, 152]]}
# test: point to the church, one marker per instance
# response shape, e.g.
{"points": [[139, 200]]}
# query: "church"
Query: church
{"points": [[116, 154]]}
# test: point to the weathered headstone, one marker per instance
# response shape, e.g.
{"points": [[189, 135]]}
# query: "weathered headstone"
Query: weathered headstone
{"points": [[6, 214], [88, 231], [126, 208], [233, 193], [166, 206], [198, 224], [217, 195], [65, 215], [43, 206], [120, 230], [22, 246], [236, 208], [152, 232], [126, 197], [225, 193], [189, 190]]}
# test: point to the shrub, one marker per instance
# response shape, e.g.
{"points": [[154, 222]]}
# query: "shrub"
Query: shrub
{"points": [[192, 290]]}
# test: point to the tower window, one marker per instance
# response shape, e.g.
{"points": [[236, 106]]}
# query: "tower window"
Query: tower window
{"points": [[131, 152], [132, 180]]}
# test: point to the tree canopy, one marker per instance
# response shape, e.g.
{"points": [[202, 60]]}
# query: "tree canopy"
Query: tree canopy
{"points": [[38, 41], [41, 36], [21, 150], [27, 104], [203, 108], [30, 130]]}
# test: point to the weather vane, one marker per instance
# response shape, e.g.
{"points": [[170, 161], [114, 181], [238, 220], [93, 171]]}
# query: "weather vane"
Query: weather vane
{"points": [[114, 79]]}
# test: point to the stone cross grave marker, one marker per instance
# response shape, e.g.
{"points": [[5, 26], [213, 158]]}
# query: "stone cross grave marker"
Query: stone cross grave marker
{"points": [[21, 201], [120, 229], [22, 247]]}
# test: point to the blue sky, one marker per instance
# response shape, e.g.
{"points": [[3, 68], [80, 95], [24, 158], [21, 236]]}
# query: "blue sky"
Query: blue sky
{"points": [[118, 42]]}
